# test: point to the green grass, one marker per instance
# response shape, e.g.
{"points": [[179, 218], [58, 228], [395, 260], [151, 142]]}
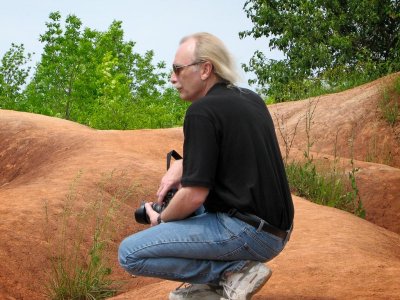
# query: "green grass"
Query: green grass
{"points": [[327, 186], [79, 250], [330, 187], [389, 102]]}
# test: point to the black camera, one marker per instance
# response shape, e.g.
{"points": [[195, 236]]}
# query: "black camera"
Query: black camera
{"points": [[140, 213]]}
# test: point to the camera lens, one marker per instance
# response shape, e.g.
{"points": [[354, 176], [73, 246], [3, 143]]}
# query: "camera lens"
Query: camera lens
{"points": [[141, 215]]}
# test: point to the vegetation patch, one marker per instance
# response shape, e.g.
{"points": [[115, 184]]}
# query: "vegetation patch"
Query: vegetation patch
{"points": [[389, 103], [80, 243], [327, 185]]}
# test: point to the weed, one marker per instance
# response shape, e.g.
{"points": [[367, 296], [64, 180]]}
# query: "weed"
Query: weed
{"points": [[287, 136], [389, 103], [354, 203], [372, 151], [327, 187], [309, 117], [78, 250], [379, 151]]}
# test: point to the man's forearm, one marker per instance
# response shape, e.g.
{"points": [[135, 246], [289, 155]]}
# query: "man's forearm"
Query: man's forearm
{"points": [[184, 203]]}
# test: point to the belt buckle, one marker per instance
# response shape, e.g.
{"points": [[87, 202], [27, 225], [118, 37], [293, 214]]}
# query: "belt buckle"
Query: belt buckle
{"points": [[260, 227]]}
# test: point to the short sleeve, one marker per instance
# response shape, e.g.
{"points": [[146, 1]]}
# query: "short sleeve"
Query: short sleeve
{"points": [[200, 151]]}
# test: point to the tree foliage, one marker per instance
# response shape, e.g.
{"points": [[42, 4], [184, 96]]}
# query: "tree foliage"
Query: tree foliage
{"points": [[13, 75], [323, 42], [91, 77], [83, 71]]}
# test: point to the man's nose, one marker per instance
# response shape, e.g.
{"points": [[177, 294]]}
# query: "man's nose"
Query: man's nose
{"points": [[172, 78]]}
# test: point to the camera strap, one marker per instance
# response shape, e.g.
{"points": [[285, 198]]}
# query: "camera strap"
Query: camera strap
{"points": [[173, 154]]}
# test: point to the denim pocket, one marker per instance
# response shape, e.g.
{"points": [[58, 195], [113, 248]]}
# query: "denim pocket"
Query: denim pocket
{"points": [[232, 226], [246, 243], [263, 244]]}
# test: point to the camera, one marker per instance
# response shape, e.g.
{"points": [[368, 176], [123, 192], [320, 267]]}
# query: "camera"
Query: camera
{"points": [[140, 213]]}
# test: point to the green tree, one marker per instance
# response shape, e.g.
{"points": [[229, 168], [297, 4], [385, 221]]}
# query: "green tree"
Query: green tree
{"points": [[61, 79], [112, 106], [124, 80], [13, 76], [145, 78], [91, 77], [323, 42]]}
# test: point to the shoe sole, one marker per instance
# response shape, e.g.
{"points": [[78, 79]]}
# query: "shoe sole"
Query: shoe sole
{"points": [[258, 286], [195, 294]]}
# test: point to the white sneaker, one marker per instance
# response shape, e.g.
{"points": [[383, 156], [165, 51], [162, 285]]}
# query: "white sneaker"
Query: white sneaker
{"points": [[196, 292], [244, 284]]}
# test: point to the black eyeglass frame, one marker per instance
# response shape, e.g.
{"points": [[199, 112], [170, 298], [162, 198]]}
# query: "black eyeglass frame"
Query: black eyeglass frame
{"points": [[178, 68]]}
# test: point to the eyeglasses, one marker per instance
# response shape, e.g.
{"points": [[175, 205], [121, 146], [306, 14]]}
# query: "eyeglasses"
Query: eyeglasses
{"points": [[177, 68]]}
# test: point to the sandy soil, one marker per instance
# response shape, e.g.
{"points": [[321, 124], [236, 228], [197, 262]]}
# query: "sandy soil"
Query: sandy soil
{"points": [[46, 162]]}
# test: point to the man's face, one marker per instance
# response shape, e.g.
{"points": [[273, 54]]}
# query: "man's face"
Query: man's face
{"points": [[187, 75]]}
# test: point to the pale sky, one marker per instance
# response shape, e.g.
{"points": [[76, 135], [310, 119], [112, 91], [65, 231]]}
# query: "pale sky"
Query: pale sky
{"points": [[153, 24]]}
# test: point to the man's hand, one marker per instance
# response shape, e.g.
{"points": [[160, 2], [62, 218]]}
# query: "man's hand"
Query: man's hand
{"points": [[153, 215], [185, 202], [170, 180]]}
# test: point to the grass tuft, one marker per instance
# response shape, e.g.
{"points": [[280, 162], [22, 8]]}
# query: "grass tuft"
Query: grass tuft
{"points": [[79, 248], [389, 103], [330, 187]]}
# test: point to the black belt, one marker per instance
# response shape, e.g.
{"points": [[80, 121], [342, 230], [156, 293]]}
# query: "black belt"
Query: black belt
{"points": [[256, 222]]}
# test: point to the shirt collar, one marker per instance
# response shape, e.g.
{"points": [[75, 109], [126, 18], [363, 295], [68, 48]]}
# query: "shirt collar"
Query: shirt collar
{"points": [[216, 87]]}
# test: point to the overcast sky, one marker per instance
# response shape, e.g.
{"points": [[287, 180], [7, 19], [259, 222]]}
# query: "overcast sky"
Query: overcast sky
{"points": [[153, 24]]}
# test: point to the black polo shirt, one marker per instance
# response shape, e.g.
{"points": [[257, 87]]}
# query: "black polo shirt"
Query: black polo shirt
{"points": [[230, 147]]}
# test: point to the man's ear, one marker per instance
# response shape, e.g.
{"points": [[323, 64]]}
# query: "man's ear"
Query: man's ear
{"points": [[206, 70]]}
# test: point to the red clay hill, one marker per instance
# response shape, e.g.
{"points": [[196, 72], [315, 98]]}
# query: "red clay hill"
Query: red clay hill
{"points": [[51, 169]]}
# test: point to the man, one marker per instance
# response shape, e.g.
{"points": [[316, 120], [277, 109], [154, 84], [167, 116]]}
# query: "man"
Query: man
{"points": [[232, 167]]}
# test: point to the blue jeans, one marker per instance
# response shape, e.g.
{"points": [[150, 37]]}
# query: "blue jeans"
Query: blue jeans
{"points": [[199, 249]]}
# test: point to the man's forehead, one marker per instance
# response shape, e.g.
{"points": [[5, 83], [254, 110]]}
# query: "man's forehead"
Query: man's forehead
{"points": [[187, 48]]}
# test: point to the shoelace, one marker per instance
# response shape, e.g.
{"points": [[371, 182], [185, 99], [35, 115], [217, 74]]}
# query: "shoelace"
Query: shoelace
{"points": [[231, 293], [189, 287], [185, 286]]}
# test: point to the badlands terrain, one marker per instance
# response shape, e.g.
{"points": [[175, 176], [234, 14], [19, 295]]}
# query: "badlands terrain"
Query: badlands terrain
{"points": [[52, 172]]}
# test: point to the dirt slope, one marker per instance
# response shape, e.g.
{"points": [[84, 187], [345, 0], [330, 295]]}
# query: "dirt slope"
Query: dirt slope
{"points": [[338, 257], [332, 254], [350, 125]]}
